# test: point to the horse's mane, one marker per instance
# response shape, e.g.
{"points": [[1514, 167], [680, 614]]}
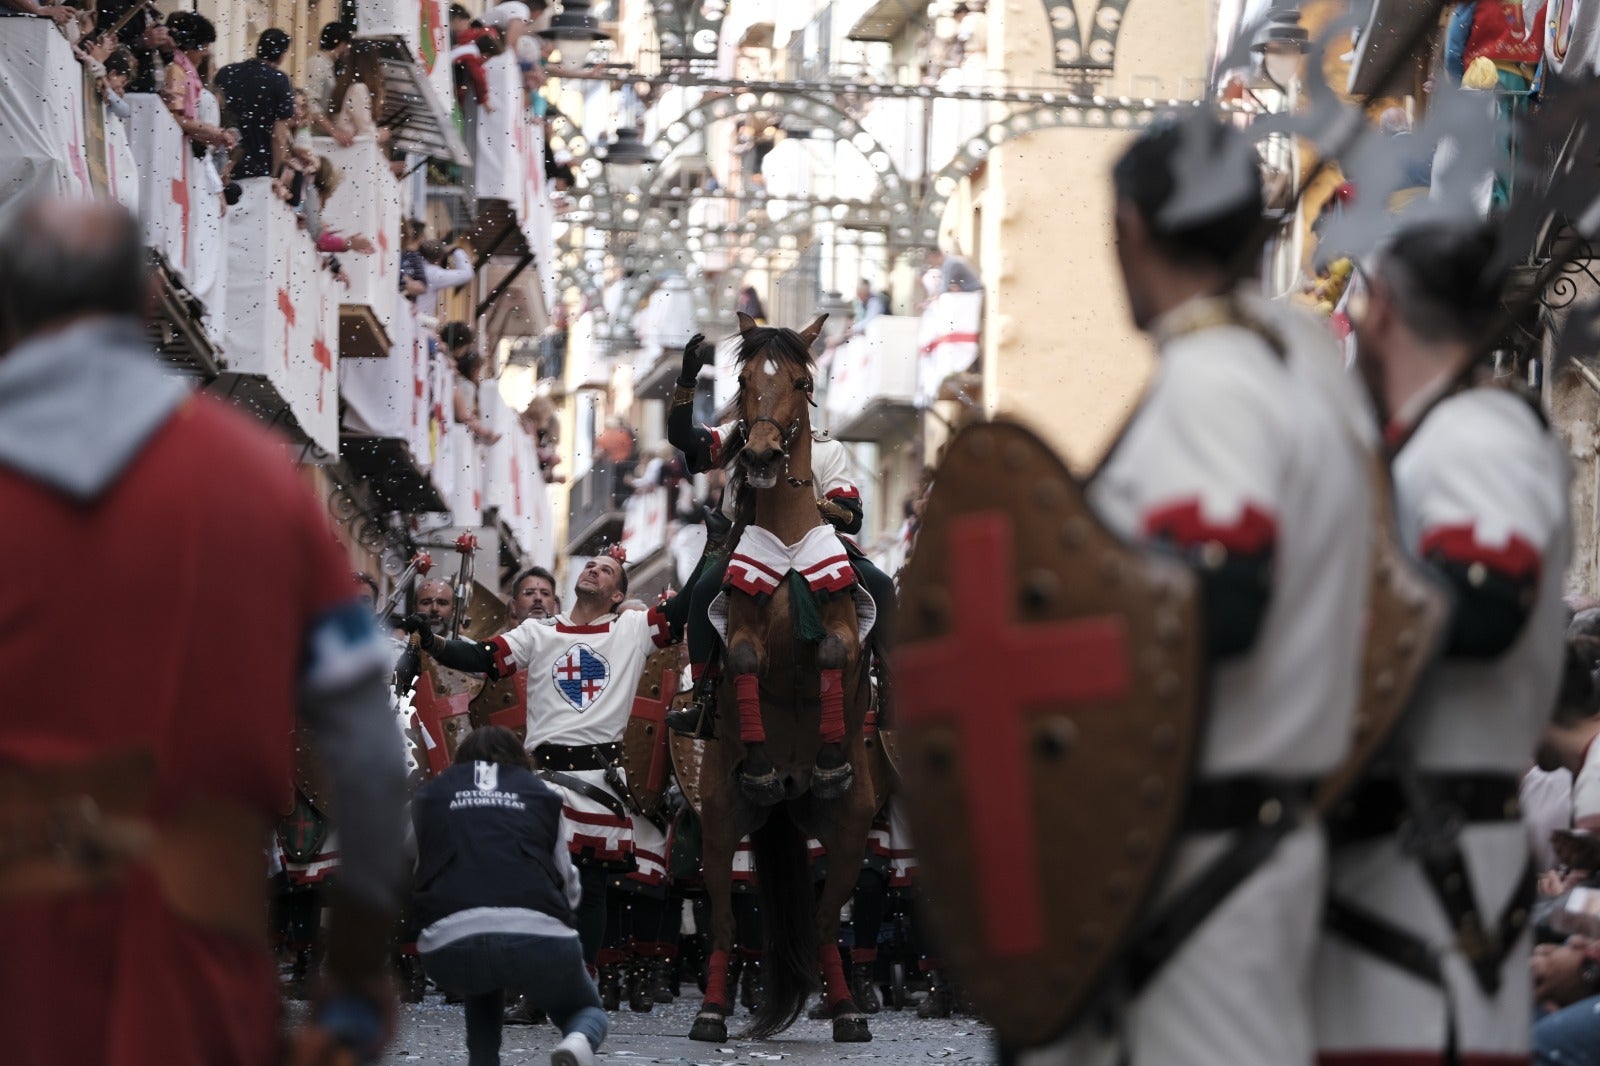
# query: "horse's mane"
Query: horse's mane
{"points": [[773, 342]]}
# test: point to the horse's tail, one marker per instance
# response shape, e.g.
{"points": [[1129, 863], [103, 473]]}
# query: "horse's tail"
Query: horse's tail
{"points": [[789, 960]]}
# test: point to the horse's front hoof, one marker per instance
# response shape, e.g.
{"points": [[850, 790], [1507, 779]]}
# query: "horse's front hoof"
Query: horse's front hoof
{"points": [[832, 782], [712, 1028], [851, 1027], [764, 790]]}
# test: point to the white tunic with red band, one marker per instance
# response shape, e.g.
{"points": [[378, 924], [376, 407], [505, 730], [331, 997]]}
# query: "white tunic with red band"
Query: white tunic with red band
{"points": [[1242, 454], [581, 684], [1481, 484]]}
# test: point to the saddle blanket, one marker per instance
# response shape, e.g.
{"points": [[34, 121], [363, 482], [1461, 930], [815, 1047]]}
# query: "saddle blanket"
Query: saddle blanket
{"points": [[760, 560]]}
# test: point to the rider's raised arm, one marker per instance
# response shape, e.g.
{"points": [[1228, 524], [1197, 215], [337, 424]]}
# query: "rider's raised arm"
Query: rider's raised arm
{"points": [[500, 657]]}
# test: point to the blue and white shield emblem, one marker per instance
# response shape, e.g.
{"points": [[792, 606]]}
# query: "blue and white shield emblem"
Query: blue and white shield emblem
{"points": [[486, 776], [581, 675]]}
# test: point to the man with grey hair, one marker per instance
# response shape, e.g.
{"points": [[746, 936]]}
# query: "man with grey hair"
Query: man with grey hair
{"points": [[139, 774]]}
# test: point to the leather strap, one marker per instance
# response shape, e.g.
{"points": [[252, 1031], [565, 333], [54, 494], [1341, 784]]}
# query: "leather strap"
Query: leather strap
{"points": [[1225, 804], [1263, 812], [81, 827], [1407, 951], [577, 757], [584, 788], [1378, 807]]}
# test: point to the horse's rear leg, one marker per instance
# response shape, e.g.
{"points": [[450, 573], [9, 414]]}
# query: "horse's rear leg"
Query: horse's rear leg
{"points": [[758, 778], [845, 838], [716, 857], [835, 656]]}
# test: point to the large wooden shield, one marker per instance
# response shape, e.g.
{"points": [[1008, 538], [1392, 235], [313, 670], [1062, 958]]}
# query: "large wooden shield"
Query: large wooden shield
{"points": [[688, 764], [503, 702], [645, 759], [1408, 612], [442, 703], [1049, 715]]}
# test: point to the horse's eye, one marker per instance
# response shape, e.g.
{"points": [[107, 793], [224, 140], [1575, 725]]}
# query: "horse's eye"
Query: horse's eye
{"points": [[804, 384]]}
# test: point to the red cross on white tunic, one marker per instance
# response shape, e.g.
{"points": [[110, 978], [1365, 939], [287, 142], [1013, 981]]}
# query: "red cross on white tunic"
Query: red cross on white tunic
{"points": [[985, 677], [591, 688], [570, 669]]}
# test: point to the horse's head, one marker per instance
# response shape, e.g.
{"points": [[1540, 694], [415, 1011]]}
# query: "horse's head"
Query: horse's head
{"points": [[775, 383]]}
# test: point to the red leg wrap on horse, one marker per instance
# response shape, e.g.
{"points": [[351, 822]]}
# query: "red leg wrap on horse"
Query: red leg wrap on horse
{"points": [[748, 688], [833, 706], [837, 988], [861, 955], [610, 957], [717, 981]]}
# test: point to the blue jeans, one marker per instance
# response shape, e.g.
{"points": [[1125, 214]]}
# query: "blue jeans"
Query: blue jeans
{"points": [[548, 970], [1570, 1036]]}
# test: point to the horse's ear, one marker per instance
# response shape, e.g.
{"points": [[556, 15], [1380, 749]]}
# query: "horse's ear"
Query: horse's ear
{"points": [[746, 323], [813, 331]]}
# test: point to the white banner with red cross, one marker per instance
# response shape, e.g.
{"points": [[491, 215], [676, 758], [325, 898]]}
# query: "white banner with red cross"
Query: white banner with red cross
{"points": [[166, 188], [41, 113], [511, 479], [283, 310]]}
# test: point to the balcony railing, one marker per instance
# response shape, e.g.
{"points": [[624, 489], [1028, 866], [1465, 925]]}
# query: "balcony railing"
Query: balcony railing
{"points": [[872, 386], [282, 316], [947, 341]]}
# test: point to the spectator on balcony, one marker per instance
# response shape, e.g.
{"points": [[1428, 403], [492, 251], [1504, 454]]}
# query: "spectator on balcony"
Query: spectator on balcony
{"points": [[467, 59], [955, 275], [359, 95], [868, 305], [461, 344], [261, 100], [321, 75], [324, 182], [441, 272], [540, 421], [137, 24], [192, 37], [413, 268], [749, 303], [513, 19], [972, 32], [119, 68]]}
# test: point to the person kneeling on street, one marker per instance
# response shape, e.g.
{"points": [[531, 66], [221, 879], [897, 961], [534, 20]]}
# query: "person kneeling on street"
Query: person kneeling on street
{"points": [[496, 895]]}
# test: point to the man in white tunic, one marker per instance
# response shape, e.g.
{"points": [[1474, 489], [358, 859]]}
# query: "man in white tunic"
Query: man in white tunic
{"points": [[1427, 948], [1241, 460], [583, 670]]}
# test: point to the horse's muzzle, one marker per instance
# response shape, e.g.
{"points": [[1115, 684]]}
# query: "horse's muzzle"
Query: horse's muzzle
{"points": [[761, 467]]}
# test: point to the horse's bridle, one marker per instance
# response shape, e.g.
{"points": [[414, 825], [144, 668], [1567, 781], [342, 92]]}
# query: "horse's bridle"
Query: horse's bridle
{"points": [[786, 437]]}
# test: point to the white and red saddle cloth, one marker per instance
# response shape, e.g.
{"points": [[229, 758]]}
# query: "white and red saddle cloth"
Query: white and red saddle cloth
{"points": [[760, 562]]}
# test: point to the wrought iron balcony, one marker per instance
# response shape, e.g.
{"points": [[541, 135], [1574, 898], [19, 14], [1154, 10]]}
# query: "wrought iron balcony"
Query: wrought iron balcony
{"points": [[595, 508]]}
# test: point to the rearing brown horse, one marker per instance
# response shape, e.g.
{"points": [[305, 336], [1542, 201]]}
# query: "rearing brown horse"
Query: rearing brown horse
{"points": [[796, 684]]}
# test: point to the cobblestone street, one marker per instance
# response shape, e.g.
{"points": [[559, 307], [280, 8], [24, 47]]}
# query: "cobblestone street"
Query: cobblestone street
{"points": [[433, 1034]]}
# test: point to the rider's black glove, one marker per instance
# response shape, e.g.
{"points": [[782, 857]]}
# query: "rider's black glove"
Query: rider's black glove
{"points": [[696, 354], [415, 623]]}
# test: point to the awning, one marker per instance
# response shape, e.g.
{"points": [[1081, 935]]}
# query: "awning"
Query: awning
{"points": [[881, 419], [660, 379], [387, 466], [883, 20], [1391, 27], [417, 119], [176, 331]]}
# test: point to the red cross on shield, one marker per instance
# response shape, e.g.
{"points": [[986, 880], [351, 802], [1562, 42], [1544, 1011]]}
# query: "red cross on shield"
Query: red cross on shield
{"points": [[1048, 703]]}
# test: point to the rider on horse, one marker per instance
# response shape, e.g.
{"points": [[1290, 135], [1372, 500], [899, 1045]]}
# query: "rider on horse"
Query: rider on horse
{"points": [[705, 448]]}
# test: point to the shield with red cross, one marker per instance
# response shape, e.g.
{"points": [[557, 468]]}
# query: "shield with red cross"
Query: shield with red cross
{"points": [[442, 702], [581, 675], [645, 759], [1049, 711]]}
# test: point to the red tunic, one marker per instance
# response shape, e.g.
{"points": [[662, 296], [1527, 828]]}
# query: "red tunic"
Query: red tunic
{"points": [[1499, 33], [170, 615]]}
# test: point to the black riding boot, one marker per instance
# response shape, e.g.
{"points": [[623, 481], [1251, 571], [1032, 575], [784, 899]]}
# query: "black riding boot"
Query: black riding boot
{"points": [[640, 1001], [940, 1000], [610, 986], [864, 988], [664, 980]]}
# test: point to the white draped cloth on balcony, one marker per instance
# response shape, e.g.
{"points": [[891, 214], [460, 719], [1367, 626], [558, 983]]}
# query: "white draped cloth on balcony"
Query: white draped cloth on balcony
{"points": [[42, 148]]}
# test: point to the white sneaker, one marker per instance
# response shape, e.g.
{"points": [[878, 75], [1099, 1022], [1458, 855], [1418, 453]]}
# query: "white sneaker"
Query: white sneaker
{"points": [[574, 1050]]}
